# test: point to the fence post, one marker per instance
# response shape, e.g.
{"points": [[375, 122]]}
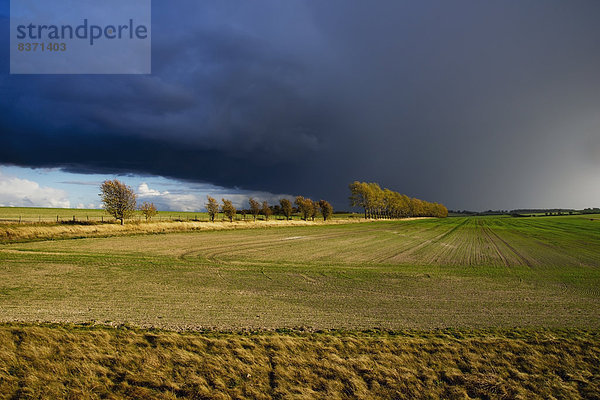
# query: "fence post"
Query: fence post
{"points": [[73, 218], [19, 219], [57, 219]]}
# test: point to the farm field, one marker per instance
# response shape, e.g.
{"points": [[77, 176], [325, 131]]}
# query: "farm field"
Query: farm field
{"points": [[477, 272], [455, 308]]}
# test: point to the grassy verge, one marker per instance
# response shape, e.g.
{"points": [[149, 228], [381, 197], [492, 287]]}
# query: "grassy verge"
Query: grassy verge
{"points": [[49, 215], [68, 361], [50, 231]]}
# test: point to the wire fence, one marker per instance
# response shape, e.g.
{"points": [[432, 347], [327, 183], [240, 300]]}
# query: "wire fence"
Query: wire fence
{"points": [[91, 219], [105, 219]]}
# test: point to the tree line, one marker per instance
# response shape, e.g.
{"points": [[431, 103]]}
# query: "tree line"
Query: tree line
{"points": [[307, 208], [120, 201], [385, 203]]}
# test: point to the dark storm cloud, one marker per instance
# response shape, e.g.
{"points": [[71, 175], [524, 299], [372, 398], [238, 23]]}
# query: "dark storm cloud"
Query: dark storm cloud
{"points": [[474, 104]]}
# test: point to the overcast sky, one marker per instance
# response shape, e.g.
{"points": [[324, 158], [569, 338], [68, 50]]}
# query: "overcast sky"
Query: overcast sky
{"points": [[474, 104]]}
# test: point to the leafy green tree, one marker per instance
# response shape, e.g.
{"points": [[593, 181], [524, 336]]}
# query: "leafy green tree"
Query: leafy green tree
{"points": [[386, 203], [314, 209], [148, 210], [440, 211], [416, 207], [405, 206], [228, 209], [359, 196], [376, 200], [276, 208], [118, 199], [212, 208], [286, 208], [305, 207], [326, 209], [266, 210], [254, 207]]}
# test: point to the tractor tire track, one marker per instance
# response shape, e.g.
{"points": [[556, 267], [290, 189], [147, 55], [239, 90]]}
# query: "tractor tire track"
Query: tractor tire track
{"points": [[428, 242], [213, 254], [524, 259], [486, 231]]}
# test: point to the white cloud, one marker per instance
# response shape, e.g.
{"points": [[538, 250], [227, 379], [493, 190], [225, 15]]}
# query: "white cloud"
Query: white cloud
{"points": [[195, 198], [168, 201], [145, 191], [16, 192]]}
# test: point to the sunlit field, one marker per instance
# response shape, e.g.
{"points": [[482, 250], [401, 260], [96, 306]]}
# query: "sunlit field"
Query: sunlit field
{"points": [[479, 307], [454, 272]]}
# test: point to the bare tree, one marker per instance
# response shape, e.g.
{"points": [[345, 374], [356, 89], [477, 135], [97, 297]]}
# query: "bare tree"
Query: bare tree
{"points": [[228, 209], [286, 208], [212, 207], [266, 210], [254, 207], [148, 210], [118, 199]]}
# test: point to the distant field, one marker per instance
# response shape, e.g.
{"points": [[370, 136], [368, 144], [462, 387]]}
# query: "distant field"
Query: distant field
{"points": [[457, 272], [48, 215]]}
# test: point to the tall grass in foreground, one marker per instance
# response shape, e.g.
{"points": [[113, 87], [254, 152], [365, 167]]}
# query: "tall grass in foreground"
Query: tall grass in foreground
{"points": [[67, 361]]}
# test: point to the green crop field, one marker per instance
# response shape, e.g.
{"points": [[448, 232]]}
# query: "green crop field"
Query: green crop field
{"points": [[455, 272], [518, 301]]}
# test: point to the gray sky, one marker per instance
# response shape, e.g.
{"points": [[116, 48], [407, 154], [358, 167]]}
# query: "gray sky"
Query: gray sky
{"points": [[474, 104]]}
